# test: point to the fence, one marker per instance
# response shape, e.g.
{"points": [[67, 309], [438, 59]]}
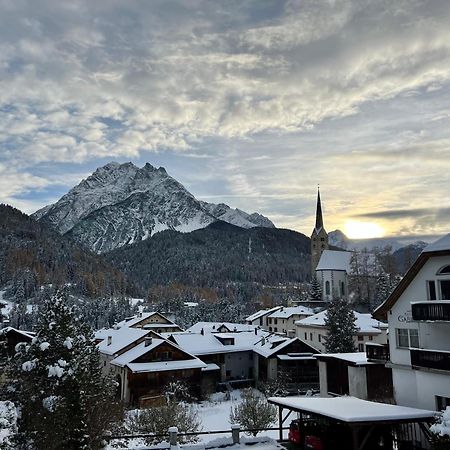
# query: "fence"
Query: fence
{"points": [[172, 436]]}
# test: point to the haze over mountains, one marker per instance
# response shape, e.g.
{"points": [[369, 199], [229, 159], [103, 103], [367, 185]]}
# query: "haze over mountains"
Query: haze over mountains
{"points": [[121, 204]]}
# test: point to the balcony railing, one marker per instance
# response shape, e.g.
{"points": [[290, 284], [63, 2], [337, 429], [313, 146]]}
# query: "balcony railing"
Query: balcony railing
{"points": [[377, 352], [431, 310], [430, 359]]}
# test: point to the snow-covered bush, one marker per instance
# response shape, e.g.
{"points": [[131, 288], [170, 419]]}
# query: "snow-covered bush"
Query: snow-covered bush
{"points": [[254, 412], [441, 431], [158, 419], [8, 425]]}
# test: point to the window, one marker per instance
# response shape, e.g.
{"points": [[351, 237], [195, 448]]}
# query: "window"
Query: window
{"points": [[322, 239], [270, 328], [444, 271], [320, 338], [445, 289], [431, 288], [275, 329], [310, 336], [360, 338], [275, 321], [306, 336], [370, 338], [407, 338], [327, 288], [360, 347]]}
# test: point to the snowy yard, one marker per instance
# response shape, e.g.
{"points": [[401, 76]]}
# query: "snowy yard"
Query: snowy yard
{"points": [[215, 416]]}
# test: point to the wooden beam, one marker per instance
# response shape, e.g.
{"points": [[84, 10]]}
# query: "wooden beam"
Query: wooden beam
{"points": [[280, 421], [366, 437]]}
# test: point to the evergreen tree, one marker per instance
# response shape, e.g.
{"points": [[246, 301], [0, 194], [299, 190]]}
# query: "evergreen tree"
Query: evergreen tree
{"points": [[315, 290], [340, 321], [57, 383], [383, 289]]}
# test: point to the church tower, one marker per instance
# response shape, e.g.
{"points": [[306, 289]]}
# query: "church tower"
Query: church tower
{"points": [[319, 237]]}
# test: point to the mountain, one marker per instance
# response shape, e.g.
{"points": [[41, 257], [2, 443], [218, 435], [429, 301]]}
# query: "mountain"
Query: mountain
{"points": [[339, 239], [121, 204], [217, 255], [405, 256], [33, 255]]}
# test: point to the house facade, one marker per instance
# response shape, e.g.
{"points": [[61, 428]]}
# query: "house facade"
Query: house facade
{"points": [[313, 331], [283, 319], [418, 314]]}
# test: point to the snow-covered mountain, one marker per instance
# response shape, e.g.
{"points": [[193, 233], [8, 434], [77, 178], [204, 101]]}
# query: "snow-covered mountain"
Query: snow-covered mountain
{"points": [[339, 239], [121, 203]]}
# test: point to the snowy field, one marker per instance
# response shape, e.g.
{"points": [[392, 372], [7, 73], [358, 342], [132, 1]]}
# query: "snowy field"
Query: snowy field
{"points": [[215, 416]]}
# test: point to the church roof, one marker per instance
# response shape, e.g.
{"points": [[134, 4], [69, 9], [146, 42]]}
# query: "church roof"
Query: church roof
{"points": [[334, 260], [319, 218]]}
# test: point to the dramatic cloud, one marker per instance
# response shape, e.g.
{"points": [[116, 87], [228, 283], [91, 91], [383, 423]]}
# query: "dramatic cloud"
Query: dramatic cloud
{"points": [[252, 103]]}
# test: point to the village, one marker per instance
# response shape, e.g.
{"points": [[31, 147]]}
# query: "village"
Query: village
{"points": [[383, 391]]}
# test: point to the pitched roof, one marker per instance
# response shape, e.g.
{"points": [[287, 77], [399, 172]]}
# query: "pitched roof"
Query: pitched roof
{"points": [[364, 322], [439, 248], [121, 338], [131, 321], [335, 260], [355, 359], [286, 312], [261, 313], [213, 327]]}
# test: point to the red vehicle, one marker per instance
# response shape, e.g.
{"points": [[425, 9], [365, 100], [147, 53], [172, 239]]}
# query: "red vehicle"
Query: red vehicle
{"points": [[294, 435], [313, 443]]}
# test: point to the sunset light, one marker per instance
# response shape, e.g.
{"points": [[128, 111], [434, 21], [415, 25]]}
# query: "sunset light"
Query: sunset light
{"points": [[363, 230]]}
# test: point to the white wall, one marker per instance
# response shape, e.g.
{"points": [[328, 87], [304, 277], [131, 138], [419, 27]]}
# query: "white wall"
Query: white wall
{"points": [[418, 388], [357, 382], [335, 277]]}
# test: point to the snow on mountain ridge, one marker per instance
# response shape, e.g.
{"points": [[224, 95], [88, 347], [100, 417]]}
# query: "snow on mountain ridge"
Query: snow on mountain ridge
{"points": [[120, 204]]}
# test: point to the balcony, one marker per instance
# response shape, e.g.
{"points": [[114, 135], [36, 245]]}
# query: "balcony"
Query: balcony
{"points": [[431, 311], [430, 359], [377, 352]]}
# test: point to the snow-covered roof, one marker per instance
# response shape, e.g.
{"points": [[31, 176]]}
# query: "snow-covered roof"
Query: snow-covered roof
{"points": [[441, 244], [286, 312], [364, 322], [299, 357], [136, 352], [27, 334], [132, 321], [210, 367], [213, 327], [357, 358], [351, 409], [163, 366], [263, 343], [334, 260], [121, 338], [261, 313]]}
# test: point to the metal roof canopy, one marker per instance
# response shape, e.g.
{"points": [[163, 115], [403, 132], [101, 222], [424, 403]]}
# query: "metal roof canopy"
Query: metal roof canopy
{"points": [[354, 412]]}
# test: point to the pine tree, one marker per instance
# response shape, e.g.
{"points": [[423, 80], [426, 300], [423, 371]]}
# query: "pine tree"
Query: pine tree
{"points": [[383, 289], [57, 383], [340, 321], [315, 290]]}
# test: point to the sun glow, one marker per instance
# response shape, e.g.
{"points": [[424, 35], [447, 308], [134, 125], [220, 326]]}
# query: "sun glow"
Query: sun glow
{"points": [[363, 230]]}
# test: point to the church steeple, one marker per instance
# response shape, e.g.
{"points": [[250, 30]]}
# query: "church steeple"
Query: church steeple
{"points": [[319, 237], [319, 218]]}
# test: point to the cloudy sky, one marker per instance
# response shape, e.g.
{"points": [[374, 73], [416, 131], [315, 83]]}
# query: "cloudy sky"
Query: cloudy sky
{"points": [[247, 102]]}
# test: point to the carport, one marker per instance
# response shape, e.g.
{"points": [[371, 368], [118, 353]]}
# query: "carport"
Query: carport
{"points": [[367, 424]]}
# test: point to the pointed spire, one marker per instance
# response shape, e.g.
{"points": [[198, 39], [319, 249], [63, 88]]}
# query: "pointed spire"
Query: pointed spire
{"points": [[319, 218]]}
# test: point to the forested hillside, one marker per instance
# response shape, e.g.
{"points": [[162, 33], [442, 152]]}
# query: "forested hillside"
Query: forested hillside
{"points": [[33, 255], [218, 254]]}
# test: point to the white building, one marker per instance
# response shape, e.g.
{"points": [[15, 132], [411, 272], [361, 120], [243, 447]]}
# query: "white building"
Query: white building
{"points": [[283, 320], [418, 313], [259, 318], [332, 273], [313, 331]]}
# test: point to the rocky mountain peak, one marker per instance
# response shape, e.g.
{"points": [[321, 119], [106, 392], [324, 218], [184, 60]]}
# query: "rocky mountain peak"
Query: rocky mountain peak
{"points": [[121, 203]]}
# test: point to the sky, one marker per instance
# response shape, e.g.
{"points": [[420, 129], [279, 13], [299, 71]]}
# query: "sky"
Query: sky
{"points": [[248, 102]]}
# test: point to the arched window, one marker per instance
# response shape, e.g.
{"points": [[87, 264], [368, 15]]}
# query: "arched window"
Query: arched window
{"points": [[327, 287], [444, 271]]}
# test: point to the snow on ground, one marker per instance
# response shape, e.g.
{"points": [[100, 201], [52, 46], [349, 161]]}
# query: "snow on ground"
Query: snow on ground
{"points": [[215, 416], [5, 311]]}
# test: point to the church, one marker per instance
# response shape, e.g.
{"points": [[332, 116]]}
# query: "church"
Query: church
{"points": [[330, 267]]}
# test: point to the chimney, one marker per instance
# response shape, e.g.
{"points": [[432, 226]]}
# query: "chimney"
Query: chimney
{"points": [[256, 331], [202, 332], [263, 341], [140, 314], [109, 340], [235, 329], [148, 341]]}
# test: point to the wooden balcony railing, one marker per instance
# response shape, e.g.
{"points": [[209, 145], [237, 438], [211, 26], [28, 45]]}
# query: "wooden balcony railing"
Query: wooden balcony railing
{"points": [[431, 310]]}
